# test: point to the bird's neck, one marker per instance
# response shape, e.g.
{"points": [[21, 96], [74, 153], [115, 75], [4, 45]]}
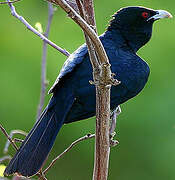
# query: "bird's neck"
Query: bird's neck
{"points": [[115, 39], [126, 37]]}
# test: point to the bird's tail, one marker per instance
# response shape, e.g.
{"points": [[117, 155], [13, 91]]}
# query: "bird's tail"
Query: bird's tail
{"points": [[34, 150]]}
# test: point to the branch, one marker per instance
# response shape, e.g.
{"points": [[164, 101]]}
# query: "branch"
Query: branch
{"points": [[102, 143], [8, 137], [10, 2], [73, 4], [88, 136], [87, 28], [102, 56], [103, 79], [18, 140], [5, 158], [21, 19], [12, 133], [43, 64], [85, 14], [41, 176], [10, 141]]}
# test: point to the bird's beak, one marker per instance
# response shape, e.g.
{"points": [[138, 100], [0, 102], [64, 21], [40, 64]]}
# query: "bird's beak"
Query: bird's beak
{"points": [[160, 14]]}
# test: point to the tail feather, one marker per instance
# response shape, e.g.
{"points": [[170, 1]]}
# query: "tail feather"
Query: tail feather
{"points": [[34, 150]]}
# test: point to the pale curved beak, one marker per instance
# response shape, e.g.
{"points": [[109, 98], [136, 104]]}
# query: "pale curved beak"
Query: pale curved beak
{"points": [[160, 15]]}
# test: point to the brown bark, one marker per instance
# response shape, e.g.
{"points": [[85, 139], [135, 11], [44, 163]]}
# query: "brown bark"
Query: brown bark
{"points": [[102, 146], [103, 79]]}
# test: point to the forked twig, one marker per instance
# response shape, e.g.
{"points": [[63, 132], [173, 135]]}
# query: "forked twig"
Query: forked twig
{"points": [[5, 158], [12, 133], [10, 141], [87, 28], [20, 18], [8, 137], [88, 136]]}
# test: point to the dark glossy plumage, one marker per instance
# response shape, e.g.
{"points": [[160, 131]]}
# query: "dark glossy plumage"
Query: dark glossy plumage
{"points": [[74, 98]]}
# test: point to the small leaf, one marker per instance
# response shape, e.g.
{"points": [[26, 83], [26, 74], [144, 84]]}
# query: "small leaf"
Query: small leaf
{"points": [[38, 26]]}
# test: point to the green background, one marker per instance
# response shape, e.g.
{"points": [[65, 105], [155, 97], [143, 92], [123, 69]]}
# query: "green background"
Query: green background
{"points": [[146, 127]]}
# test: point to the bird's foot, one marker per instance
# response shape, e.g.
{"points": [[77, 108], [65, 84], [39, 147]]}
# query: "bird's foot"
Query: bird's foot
{"points": [[114, 81], [94, 82], [113, 142]]}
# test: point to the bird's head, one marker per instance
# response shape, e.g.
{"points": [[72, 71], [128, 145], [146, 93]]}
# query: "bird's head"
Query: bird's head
{"points": [[135, 24]]}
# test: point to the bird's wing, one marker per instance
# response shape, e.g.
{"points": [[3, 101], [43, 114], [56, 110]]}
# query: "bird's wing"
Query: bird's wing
{"points": [[74, 59]]}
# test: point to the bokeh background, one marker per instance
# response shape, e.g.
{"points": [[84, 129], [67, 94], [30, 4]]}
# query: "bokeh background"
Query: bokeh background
{"points": [[146, 127]]}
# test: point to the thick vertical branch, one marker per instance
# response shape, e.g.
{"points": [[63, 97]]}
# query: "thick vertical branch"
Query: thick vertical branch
{"points": [[102, 80], [89, 9], [87, 14], [102, 145]]}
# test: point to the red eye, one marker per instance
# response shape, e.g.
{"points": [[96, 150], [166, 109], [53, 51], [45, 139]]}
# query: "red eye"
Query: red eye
{"points": [[144, 14]]}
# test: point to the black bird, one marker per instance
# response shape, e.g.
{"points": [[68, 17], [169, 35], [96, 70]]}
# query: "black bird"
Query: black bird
{"points": [[73, 97]]}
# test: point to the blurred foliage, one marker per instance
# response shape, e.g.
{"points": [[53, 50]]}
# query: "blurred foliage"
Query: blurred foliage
{"points": [[146, 127], [2, 168]]}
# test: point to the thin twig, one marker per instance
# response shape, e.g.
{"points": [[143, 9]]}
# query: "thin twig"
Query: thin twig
{"points": [[88, 136], [5, 158], [43, 73], [73, 4], [10, 2], [91, 49], [87, 28], [80, 8], [43, 64], [18, 140], [11, 141], [41, 176], [21, 19], [12, 133], [8, 137]]}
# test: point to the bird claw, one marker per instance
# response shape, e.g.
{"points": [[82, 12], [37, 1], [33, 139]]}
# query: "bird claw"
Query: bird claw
{"points": [[113, 74], [94, 82], [112, 135], [114, 82], [113, 142]]}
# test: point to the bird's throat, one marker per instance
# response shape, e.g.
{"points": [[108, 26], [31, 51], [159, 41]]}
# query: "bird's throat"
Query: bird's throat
{"points": [[131, 37]]}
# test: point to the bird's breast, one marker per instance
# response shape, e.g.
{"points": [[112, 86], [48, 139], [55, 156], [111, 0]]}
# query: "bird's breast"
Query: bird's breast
{"points": [[133, 74]]}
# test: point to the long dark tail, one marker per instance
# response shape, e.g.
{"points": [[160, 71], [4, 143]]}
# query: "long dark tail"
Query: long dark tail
{"points": [[34, 150]]}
